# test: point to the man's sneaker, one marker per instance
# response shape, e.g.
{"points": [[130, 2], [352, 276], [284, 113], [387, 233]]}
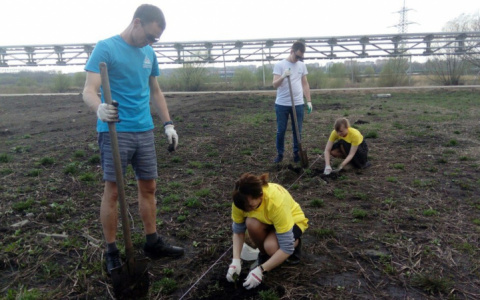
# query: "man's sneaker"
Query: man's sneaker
{"points": [[113, 261], [297, 254], [367, 165], [161, 249], [296, 157], [278, 159]]}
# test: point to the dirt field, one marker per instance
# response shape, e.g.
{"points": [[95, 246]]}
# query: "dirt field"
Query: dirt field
{"points": [[406, 228]]}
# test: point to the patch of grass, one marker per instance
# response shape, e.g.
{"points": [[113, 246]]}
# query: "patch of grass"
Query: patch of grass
{"points": [[94, 159], [71, 169], [192, 202], [358, 213], [452, 143], [392, 179], [47, 161], [339, 193], [371, 135], [34, 172], [268, 295], [5, 158], [171, 198], [176, 159], [247, 152], [212, 154], [86, 177], [430, 212], [167, 285], [79, 153], [6, 171], [476, 222], [202, 193], [432, 284], [181, 218], [294, 187], [195, 164], [323, 233], [23, 205], [467, 247], [317, 203], [399, 166]]}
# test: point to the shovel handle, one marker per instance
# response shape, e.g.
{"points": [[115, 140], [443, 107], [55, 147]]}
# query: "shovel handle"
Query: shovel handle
{"points": [[118, 169], [294, 111]]}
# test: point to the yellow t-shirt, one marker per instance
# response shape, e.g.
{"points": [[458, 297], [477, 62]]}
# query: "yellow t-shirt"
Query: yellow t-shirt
{"points": [[353, 137], [277, 208]]}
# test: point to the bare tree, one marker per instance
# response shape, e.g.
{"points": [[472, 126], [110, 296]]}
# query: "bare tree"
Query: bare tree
{"points": [[465, 23]]}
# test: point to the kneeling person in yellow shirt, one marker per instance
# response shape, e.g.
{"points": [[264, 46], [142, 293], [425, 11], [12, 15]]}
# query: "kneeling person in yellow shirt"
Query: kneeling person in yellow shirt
{"points": [[347, 143], [275, 223]]}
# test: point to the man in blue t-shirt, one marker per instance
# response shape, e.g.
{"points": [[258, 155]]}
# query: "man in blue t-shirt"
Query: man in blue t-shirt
{"points": [[294, 68], [132, 69]]}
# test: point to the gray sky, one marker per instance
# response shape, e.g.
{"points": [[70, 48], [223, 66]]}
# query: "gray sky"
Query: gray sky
{"points": [[37, 22]]}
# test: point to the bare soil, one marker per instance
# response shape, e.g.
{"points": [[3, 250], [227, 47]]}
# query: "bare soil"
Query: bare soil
{"points": [[406, 228]]}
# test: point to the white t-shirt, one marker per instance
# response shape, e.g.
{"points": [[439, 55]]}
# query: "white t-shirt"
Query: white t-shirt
{"points": [[298, 70]]}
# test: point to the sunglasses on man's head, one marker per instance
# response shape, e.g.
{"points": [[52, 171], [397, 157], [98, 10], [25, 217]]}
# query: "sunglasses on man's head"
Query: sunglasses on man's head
{"points": [[151, 38], [298, 57]]}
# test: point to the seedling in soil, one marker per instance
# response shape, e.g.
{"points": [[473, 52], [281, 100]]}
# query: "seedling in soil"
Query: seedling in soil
{"points": [[79, 154], [399, 166], [5, 158], [432, 284], [236, 279], [452, 143], [317, 203], [359, 213], [71, 168], [94, 159], [86, 177], [371, 135], [47, 161], [34, 172], [339, 193], [323, 233], [392, 179]]}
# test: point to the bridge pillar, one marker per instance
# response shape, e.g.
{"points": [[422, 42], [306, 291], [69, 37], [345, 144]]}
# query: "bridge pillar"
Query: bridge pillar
{"points": [[59, 51], [209, 47], [3, 61], [332, 42], [239, 45], [269, 44], [428, 44], [30, 53], [460, 43], [179, 49], [364, 41]]}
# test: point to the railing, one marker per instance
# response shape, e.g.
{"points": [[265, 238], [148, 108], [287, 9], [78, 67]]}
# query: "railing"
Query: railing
{"points": [[318, 48]]}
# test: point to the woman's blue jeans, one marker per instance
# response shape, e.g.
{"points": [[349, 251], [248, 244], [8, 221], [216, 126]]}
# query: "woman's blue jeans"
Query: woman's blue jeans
{"points": [[282, 113]]}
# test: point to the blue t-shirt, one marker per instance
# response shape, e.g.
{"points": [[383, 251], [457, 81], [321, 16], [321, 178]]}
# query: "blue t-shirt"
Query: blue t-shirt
{"points": [[129, 70]]}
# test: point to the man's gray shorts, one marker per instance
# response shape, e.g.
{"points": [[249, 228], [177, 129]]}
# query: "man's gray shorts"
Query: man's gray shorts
{"points": [[136, 148]]}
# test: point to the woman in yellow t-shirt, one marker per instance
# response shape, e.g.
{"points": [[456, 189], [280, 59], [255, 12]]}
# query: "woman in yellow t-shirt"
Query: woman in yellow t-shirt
{"points": [[347, 143], [275, 223]]}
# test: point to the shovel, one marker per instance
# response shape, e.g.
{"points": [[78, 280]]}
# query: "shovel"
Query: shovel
{"points": [[130, 281], [303, 153]]}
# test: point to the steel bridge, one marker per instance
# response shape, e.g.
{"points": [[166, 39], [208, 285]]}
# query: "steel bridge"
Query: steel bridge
{"points": [[263, 50]]}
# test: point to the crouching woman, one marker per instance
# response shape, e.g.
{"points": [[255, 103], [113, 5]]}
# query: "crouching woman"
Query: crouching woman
{"points": [[275, 223], [346, 143]]}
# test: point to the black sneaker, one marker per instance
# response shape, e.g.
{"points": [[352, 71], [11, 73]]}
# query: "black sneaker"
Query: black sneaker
{"points": [[296, 255], [366, 165], [278, 159], [161, 249], [113, 261]]}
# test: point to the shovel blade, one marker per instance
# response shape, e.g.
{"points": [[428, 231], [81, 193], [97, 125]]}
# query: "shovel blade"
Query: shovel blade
{"points": [[304, 158], [131, 283]]}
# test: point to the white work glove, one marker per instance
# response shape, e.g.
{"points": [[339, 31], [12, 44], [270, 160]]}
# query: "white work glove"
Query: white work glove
{"points": [[171, 135], [309, 106], [328, 170], [108, 112], [234, 268], [254, 278], [286, 73]]}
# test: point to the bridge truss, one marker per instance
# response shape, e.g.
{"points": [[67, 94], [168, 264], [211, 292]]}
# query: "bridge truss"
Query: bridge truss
{"points": [[264, 50]]}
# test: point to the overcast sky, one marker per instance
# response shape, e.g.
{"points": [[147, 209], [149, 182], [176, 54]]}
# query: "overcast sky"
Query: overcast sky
{"points": [[37, 22]]}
